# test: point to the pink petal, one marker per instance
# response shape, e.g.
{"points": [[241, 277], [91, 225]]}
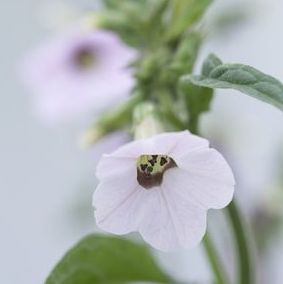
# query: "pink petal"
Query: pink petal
{"points": [[207, 163], [110, 167], [187, 143], [172, 223], [114, 202], [203, 191]]}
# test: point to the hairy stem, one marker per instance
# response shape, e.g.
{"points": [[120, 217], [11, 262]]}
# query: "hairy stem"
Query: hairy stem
{"points": [[216, 265], [245, 275]]}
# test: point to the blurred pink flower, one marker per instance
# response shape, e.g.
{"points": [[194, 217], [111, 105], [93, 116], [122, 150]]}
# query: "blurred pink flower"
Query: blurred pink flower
{"points": [[78, 72]]}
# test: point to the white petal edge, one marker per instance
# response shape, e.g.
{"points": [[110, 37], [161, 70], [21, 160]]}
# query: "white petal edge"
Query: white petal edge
{"points": [[175, 144], [187, 143]]}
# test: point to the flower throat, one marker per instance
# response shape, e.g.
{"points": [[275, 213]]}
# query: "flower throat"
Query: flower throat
{"points": [[150, 169], [85, 58]]}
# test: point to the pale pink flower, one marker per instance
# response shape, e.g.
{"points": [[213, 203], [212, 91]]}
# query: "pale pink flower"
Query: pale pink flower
{"points": [[78, 72], [162, 187]]}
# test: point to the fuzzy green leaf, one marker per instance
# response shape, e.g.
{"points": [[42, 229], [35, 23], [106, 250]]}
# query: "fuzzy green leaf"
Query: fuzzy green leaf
{"points": [[209, 64], [243, 78], [104, 259]]}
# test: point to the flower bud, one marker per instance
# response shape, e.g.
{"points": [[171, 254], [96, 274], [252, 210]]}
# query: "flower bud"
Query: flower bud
{"points": [[146, 121]]}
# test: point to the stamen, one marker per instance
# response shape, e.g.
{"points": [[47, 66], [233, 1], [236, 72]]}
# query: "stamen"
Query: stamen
{"points": [[150, 169]]}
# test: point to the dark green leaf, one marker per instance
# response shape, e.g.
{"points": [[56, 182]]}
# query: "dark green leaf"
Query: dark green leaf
{"points": [[105, 259], [240, 77], [197, 101]]}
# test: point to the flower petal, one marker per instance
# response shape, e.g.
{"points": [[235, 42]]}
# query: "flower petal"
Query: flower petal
{"points": [[175, 144], [172, 223], [208, 163], [132, 150], [187, 143], [111, 166], [204, 192], [115, 200]]}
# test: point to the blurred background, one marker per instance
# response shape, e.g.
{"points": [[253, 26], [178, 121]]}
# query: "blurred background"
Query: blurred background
{"points": [[46, 180]]}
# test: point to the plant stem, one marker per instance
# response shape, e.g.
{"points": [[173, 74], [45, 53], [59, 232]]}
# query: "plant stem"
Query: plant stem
{"points": [[193, 124], [214, 260], [245, 275], [216, 265]]}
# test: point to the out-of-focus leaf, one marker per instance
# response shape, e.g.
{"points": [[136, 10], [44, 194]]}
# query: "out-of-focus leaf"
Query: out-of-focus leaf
{"points": [[243, 78], [183, 60], [197, 101], [198, 98], [104, 259], [114, 4], [185, 14], [187, 52], [117, 118], [139, 23]]}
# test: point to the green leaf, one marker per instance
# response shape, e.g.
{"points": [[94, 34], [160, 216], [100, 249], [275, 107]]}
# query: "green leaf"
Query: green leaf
{"points": [[126, 23], [197, 100], [243, 78], [139, 23], [209, 64], [185, 14], [187, 52], [114, 4], [106, 259], [183, 60]]}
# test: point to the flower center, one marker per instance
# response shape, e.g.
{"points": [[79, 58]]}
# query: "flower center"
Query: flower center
{"points": [[150, 169], [84, 58]]}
